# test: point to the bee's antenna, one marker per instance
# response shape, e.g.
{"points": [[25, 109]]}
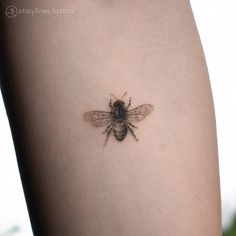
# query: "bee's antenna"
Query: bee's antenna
{"points": [[123, 95], [114, 96]]}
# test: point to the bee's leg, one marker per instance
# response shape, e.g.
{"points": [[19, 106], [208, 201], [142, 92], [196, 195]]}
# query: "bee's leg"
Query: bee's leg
{"points": [[132, 132], [132, 125], [110, 103], [106, 129], [108, 134], [129, 102]]}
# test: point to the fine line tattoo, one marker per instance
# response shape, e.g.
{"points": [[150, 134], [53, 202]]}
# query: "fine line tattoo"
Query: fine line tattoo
{"points": [[119, 119]]}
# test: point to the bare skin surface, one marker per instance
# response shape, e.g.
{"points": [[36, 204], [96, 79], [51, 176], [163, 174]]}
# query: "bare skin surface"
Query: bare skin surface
{"points": [[57, 67]]}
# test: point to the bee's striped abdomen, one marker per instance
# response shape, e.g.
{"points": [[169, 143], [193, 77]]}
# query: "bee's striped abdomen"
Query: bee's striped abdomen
{"points": [[120, 130]]}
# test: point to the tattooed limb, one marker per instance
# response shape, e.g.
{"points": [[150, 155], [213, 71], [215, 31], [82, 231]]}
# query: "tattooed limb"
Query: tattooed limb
{"points": [[171, 174]]}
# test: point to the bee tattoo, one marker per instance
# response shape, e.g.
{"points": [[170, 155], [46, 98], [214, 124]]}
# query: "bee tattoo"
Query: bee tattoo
{"points": [[119, 119]]}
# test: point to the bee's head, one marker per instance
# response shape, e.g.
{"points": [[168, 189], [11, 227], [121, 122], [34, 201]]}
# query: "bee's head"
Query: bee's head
{"points": [[118, 103]]}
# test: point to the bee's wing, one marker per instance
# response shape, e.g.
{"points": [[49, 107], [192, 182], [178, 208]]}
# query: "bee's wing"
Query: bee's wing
{"points": [[98, 118], [139, 113]]}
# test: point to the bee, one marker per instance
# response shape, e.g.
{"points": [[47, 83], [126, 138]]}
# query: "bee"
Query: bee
{"points": [[119, 119]]}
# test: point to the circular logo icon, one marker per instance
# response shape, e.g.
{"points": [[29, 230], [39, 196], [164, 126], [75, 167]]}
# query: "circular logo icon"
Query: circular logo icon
{"points": [[11, 11]]}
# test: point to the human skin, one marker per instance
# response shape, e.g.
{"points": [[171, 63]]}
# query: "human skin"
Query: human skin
{"points": [[57, 67]]}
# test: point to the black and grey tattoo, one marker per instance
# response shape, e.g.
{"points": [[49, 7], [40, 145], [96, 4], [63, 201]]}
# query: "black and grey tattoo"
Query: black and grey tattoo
{"points": [[119, 119]]}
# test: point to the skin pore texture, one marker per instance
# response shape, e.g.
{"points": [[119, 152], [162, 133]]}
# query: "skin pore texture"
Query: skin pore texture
{"points": [[56, 67]]}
